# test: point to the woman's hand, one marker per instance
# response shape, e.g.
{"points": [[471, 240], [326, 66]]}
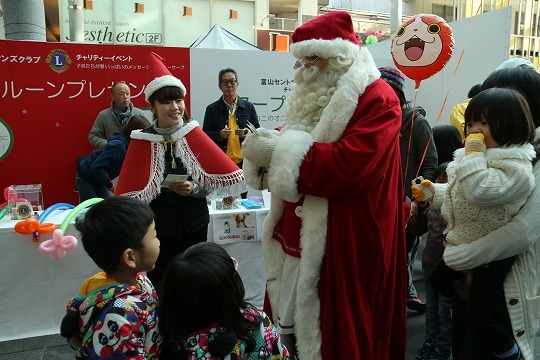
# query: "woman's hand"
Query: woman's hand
{"points": [[182, 188]]}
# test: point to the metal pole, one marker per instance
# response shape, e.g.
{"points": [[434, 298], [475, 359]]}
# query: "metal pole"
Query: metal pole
{"points": [[76, 21], [396, 11], [24, 20]]}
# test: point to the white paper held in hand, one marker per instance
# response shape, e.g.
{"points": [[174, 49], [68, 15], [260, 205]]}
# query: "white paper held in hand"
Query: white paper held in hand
{"points": [[172, 178]]}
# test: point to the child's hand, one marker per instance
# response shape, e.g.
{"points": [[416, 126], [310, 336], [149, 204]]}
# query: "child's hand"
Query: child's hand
{"points": [[423, 190], [475, 143]]}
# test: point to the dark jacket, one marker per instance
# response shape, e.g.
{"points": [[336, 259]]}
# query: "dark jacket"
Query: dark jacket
{"points": [[103, 165], [217, 116], [420, 137], [173, 211]]}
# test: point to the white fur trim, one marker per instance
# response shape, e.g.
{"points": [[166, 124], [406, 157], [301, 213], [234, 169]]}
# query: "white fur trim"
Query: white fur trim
{"points": [[290, 150], [523, 152], [313, 243], [274, 257], [162, 81], [324, 48], [337, 114], [139, 135], [253, 175]]}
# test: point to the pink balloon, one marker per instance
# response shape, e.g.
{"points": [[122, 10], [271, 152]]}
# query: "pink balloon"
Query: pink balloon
{"points": [[59, 245]]}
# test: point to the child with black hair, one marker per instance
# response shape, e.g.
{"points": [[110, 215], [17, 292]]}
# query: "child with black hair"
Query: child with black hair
{"points": [[115, 315], [203, 312], [488, 181]]}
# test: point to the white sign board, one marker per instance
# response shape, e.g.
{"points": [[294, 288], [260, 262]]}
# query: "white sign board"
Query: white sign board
{"points": [[118, 22], [265, 78]]}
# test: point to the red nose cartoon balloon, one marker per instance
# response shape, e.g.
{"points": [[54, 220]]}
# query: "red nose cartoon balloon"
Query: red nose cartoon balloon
{"points": [[422, 46]]}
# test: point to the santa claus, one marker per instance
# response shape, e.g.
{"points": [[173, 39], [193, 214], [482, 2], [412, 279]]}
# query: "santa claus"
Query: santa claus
{"points": [[333, 240]]}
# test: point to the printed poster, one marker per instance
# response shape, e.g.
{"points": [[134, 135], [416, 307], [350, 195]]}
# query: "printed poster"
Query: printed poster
{"points": [[234, 227]]}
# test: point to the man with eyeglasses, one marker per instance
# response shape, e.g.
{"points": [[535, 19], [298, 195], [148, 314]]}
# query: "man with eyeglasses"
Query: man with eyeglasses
{"points": [[333, 239], [226, 120], [113, 119]]}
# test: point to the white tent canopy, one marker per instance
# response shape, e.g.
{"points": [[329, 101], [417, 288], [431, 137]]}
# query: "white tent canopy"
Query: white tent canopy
{"points": [[219, 38]]}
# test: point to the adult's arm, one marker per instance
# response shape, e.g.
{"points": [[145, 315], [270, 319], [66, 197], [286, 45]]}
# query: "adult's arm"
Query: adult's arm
{"points": [[211, 125], [95, 137], [254, 119], [510, 239]]}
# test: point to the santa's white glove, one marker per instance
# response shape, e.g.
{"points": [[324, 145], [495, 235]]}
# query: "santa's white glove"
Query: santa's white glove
{"points": [[422, 190], [475, 143], [259, 146]]}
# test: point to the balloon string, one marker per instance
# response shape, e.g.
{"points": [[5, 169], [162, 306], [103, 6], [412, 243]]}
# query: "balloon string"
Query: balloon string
{"points": [[451, 81]]}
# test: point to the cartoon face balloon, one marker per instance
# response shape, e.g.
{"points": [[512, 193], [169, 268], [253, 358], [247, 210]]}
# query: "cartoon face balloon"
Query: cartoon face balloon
{"points": [[422, 46]]}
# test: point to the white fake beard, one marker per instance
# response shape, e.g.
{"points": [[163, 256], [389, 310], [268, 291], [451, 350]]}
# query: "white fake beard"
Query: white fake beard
{"points": [[310, 94]]}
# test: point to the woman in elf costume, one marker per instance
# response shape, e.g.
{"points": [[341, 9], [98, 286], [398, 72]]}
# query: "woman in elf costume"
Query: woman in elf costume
{"points": [[172, 145]]}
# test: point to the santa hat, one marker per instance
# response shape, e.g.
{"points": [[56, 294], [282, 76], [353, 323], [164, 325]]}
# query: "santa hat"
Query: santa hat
{"points": [[143, 168], [393, 76], [327, 36], [159, 76]]}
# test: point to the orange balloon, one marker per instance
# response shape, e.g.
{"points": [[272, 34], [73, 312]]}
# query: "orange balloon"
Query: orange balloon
{"points": [[422, 46], [33, 227]]}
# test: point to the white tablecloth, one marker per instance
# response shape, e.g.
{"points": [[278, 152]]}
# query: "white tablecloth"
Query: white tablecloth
{"points": [[35, 288]]}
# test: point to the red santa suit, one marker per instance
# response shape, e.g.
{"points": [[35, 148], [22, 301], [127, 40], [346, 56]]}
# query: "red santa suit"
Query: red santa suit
{"points": [[337, 205]]}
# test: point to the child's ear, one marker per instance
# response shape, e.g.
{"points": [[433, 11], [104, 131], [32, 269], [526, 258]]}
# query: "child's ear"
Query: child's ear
{"points": [[128, 258]]}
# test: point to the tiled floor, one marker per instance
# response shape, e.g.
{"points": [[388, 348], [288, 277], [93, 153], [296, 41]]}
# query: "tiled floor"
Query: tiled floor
{"points": [[54, 347], [50, 347]]}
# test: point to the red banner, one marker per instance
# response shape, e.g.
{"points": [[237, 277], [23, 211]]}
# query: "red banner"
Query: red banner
{"points": [[50, 95]]}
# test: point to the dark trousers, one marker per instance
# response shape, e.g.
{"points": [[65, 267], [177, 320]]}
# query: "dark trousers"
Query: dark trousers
{"points": [[170, 247], [481, 324], [89, 191]]}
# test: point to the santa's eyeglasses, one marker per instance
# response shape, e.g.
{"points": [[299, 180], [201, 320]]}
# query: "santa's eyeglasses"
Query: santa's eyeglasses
{"points": [[307, 61], [310, 60]]}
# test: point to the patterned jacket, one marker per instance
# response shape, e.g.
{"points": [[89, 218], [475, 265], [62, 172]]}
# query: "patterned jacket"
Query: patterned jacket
{"points": [[267, 342], [114, 322]]}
